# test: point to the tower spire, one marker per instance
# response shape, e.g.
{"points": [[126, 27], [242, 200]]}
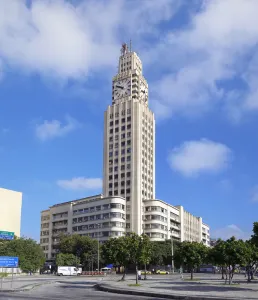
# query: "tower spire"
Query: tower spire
{"points": [[130, 49]]}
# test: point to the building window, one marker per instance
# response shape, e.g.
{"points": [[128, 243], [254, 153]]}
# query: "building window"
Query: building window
{"points": [[111, 146], [116, 152], [110, 162], [128, 150], [128, 174], [110, 185], [111, 123], [128, 166], [122, 144], [129, 126], [110, 154], [128, 158], [116, 176], [116, 145], [111, 131], [127, 198], [123, 135], [122, 168], [123, 128], [122, 175], [116, 122], [111, 139], [116, 137], [128, 191], [128, 134], [128, 111], [110, 177], [116, 184], [123, 120], [123, 151], [110, 170], [111, 116], [110, 193], [117, 115], [128, 142], [117, 129], [122, 191], [116, 169], [116, 160], [128, 182], [115, 192], [122, 183], [122, 159]]}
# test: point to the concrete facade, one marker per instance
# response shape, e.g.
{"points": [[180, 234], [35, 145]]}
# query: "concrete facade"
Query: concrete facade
{"points": [[96, 216], [10, 211]]}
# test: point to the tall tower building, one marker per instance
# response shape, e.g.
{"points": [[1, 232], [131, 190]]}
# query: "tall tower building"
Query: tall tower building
{"points": [[129, 140]]}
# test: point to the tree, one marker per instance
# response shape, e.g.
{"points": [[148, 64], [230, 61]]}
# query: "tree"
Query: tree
{"points": [[67, 260], [146, 252], [30, 254], [190, 255], [82, 247], [216, 255], [116, 251]]}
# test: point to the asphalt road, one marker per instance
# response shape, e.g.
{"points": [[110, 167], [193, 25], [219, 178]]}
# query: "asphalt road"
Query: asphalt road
{"points": [[75, 289]]}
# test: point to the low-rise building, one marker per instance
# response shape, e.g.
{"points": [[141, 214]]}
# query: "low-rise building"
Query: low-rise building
{"points": [[10, 211], [104, 217]]}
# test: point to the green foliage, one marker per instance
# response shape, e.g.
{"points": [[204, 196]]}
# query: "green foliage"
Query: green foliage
{"points": [[3, 274], [190, 255], [254, 237], [146, 250], [31, 256], [162, 253], [82, 247], [67, 260]]}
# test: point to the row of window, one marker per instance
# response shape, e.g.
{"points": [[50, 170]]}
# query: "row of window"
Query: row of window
{"points": [[45, 218], [45, 225], [122, 192], [111, 123], [128, 142], [155, 217], [98, 226], [97, 208], [44, 240], [156, 226], [100, 216], [111, 116], [122, 175], [59, 231], [128, 127], [122, 183], [60, 223], [156, 208], [104, 234]]}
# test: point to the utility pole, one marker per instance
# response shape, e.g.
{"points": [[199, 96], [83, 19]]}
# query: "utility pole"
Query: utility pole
{"points": [[172, 251]]}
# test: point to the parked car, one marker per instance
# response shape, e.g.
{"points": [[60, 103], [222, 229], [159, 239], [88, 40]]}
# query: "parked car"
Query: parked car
{"points": [[147, 272], [68, 271], [162, 272]]}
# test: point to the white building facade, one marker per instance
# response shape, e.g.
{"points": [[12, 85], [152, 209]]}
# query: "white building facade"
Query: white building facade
{"points": [[10, 211], [128, 202]]}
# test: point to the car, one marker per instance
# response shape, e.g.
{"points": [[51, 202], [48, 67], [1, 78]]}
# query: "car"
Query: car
{"points": [[162, 272], [147, 272]]}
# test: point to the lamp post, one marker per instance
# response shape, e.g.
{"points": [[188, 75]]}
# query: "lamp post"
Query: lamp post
{"points": [[172, 250], [98, 225]]}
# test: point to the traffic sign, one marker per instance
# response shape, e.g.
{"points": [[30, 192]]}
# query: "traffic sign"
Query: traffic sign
{"points": [[6, 235], [9, 262]]}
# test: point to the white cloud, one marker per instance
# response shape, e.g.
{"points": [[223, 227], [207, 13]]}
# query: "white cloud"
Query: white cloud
{"points": [[69, 40], [229, 231], [218, 45], [81, 183], [254, 194], [51, 129], [196, 157]]}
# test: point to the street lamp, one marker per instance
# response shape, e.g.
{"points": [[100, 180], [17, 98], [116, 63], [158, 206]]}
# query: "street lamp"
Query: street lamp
{"points": [[172, 250], [98, 225]]}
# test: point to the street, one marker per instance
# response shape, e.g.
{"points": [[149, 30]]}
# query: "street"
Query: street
{"points": [[77, 288]]}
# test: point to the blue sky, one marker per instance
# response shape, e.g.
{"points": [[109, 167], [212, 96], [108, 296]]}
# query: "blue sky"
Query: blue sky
{"points": [[200, 58]]}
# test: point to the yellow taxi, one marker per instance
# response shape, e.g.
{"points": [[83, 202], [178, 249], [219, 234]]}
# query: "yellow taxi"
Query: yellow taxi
{"points": [[162, 272]]}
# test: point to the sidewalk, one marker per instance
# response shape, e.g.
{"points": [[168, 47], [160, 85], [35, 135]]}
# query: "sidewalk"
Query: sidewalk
{"points": [[176, 288]]}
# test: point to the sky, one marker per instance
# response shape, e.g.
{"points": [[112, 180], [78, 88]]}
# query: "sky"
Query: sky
{"points": [[200, 59]]}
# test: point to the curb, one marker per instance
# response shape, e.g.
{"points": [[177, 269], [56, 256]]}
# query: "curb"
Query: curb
{"points": [[105, 288]]}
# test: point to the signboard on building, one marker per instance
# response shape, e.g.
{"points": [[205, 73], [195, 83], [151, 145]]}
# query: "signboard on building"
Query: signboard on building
{"points": [[9, 262], [6, 235]]}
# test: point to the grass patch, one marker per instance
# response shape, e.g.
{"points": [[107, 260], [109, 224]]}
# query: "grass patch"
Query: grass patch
{"points": [[134, 284]]}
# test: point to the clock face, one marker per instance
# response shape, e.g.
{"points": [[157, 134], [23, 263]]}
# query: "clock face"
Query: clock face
{"points": [[143, 92], [122, 88]]}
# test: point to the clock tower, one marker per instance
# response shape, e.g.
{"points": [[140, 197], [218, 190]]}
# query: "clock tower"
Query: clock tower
{"points": [[129, 140]]}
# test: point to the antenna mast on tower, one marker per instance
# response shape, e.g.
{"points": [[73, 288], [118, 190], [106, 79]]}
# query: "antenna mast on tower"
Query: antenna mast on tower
{"points": [[130, 46]]}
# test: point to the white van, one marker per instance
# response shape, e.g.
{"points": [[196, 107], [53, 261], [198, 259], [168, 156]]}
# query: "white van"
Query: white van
{"points": [[69, 271], [107, 270]]}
